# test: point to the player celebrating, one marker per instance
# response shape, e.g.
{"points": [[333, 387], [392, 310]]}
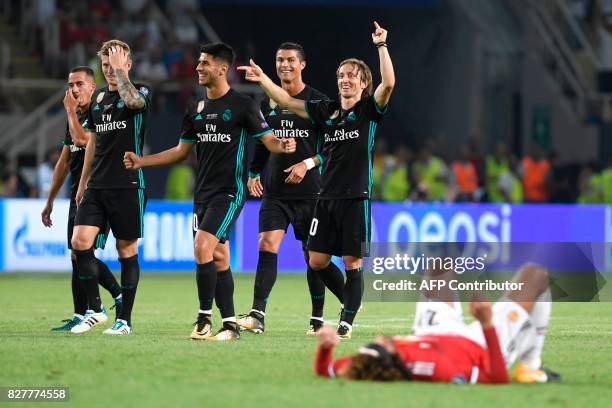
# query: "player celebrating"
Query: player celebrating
{"points": [[341, 222], [218, 126], [76, 102], [445, 349], [291, 188], [110, 193]]}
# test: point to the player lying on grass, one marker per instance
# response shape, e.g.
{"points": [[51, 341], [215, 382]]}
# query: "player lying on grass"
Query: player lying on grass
{"points": [[445, 349]]}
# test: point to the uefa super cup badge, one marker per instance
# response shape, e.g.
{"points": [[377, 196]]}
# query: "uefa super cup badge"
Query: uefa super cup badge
{"points": [[100, 97]]}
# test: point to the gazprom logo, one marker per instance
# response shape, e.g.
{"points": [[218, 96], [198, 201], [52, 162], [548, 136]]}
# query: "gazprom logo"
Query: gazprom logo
{"points": [[27, 246]]}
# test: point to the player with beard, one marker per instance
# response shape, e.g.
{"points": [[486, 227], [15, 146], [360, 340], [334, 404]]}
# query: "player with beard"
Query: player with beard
{"points": [[292, 184], [108, 193], [77, 102], [218, 126]]}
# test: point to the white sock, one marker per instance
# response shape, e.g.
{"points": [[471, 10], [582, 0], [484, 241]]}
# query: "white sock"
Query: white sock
{"points": [[258, 311], [119, 296], [345, 324], [540, 315], [206, 312], [316, 318], [229, 319]]}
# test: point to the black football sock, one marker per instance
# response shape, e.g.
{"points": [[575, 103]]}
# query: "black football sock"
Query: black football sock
{"points": [[206, 279], [224, 294], [130, 275], [88, 275], [334, 280], [107, 279], [79, 295], [264, 279], [317, 292], [353, 292]]}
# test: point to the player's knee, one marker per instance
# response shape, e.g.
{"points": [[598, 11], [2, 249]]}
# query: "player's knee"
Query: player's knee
{"points": [[127, 249], [534, 272], [317, 263], [268, 244], [351, 263], [80, 243], [203, 250]]}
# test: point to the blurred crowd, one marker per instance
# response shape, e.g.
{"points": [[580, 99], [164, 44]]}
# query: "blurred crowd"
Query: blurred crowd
{"points": [[471, 176]]}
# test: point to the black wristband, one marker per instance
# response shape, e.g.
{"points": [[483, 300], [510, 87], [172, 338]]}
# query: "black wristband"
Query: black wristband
{"points": [[381, 44]]}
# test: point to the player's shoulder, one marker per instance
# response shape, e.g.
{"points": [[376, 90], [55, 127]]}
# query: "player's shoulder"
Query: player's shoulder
{"points": [[314, 94], [145, 89], [99, 93], [234, 95]]}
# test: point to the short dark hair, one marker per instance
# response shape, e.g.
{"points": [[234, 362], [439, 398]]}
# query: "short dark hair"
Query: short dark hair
{"points": [[220, 51], [87, 70], [293, 46]]}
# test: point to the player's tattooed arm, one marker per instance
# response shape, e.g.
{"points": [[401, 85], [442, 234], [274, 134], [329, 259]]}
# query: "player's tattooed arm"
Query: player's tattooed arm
{"points": [[382, 94], [254, 73], [121, 63], [132, 98]]}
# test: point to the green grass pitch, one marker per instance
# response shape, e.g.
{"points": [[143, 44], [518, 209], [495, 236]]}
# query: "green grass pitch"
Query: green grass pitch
{"points": [[158, 366]]}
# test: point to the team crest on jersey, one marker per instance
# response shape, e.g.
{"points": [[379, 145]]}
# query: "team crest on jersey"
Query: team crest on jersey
{"points": [[351, 117], [200, 106], [120, 104], [227, 114], [100, 97]]}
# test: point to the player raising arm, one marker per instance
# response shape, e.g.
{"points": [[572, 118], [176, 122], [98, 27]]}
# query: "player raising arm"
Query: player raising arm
{"points": [[341, 221]]}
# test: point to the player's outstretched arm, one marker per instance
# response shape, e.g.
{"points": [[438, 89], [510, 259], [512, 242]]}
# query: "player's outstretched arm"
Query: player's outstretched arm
{"points": [[384, 89], [60, 172], [119, 61], [90, 151], [254, 73], [177, 154], [275, 145]]}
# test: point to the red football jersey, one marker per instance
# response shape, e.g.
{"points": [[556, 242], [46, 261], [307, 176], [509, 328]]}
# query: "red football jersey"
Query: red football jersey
{"points": [[438, 358]]}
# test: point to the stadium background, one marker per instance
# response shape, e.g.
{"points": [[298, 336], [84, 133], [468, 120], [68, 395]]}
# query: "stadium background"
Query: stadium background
{"points": [[534, 75], [471, 75]]}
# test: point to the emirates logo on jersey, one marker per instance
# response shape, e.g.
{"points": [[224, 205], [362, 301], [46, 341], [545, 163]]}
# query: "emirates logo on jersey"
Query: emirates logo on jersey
{"points": [[341, 135]]}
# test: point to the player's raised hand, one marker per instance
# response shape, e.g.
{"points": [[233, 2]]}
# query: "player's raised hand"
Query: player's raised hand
{"points": [[379, 35], [254, 186], [131, 161], [483, 312], [327, 337], [296, 173], [46, 215], [70, 102], [289, 145], [252, 72], [118, 58]]}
